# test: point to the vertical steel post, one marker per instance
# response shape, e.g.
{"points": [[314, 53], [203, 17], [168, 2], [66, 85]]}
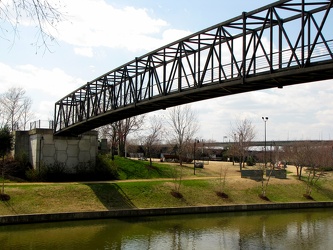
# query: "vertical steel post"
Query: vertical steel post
{"points": [[244, 46], [280, 47], [220, 53], [271, 39], [302, 32], [136, 81], [164, 72], [180, 66], [231, 58], [199, 59]]}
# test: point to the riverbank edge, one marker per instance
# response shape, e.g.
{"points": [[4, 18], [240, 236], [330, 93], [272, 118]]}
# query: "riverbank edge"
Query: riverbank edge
{"points": [[141, 212]]}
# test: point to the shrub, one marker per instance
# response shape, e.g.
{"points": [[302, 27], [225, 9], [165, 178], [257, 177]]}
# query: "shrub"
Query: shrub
{"points": [[328, 168], [104, 169], [32, 175], [250, 161], [22, 165]]}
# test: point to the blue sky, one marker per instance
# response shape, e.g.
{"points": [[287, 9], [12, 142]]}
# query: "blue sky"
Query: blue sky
{"points": [[100, 35]]}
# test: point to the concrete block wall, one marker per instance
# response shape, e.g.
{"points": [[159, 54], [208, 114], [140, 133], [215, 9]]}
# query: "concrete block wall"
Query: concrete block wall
{"points": [[45, 149], [22, 142]]}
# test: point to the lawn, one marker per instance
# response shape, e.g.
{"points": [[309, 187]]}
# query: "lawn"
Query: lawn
{"points": [[151, 187]]}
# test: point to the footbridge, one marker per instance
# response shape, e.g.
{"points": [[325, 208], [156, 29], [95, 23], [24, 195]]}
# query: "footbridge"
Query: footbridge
{"points": [[284, 43]]}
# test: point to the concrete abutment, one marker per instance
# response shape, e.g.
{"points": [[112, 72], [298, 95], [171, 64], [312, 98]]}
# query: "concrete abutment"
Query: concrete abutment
{"points": [[43, 148]]}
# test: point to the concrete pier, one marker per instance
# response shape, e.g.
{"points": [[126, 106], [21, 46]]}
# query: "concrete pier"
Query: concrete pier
{"points": [[43, 148]]}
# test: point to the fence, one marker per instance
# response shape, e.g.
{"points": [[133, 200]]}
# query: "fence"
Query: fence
{"points": [[42, 124]]}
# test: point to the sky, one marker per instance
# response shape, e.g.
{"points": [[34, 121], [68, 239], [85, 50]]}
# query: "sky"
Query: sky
{"points": [[100, 35]]}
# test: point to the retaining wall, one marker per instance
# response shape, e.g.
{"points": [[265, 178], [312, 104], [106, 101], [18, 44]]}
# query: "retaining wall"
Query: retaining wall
{"points": [[254, 174], [37, 218], [279, 174]]}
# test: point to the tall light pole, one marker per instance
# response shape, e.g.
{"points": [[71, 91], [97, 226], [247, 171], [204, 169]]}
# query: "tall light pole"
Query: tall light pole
{"points": [[195, 144], [265, 119]]}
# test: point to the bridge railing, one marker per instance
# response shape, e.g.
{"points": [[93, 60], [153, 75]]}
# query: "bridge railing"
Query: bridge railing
{"points": [[320, 54], [49, 124]]}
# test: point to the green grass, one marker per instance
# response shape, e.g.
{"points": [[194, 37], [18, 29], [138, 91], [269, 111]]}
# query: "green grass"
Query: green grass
{"points": [[134, 169], [69, 197], [127, 169], [27, 198]]}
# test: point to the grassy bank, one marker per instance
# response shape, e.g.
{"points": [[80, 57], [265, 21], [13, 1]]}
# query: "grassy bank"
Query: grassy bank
{"points": [[29, 198]]}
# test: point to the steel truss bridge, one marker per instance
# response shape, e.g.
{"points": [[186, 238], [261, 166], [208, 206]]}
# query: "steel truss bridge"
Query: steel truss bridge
{"points": [[284, 43]]}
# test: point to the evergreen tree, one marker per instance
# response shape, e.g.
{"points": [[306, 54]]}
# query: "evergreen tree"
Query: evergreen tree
{"points": [[6, 144]]}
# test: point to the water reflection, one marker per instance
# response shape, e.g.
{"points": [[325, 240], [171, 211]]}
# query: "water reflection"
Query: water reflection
{"points": [[296, 229]]}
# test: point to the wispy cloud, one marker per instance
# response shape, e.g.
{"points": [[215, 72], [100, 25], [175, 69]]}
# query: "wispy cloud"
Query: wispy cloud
{"points": [[83, 51], [128, 28]]}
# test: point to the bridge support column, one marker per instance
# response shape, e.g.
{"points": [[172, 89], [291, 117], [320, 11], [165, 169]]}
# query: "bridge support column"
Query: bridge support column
{"points": [[45, 149]]}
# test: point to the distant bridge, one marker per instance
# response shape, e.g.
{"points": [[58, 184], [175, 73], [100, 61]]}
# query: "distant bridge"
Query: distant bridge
{"points": [[269, 143], [284, 43]]}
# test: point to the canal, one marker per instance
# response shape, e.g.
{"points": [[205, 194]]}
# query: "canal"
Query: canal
{"points": [[293, 229]]}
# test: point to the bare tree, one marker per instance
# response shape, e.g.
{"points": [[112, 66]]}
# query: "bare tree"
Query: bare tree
{"points": [[264, 183], [222, 182], [302, 155], [313, 157], [27, 114], [242, 135], [299, 155], [118, 131], [154, 135], [183, 126], [2, 117], [44, 14], [317, 158], [15, 106]]}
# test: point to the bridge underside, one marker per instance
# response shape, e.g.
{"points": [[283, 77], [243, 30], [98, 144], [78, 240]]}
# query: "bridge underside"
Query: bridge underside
{"points": [[278, 78]]}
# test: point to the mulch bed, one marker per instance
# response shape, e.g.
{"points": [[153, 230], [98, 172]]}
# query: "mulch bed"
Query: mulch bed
{"points": [[308, 196], [222, 195], [176, 194], [4, 197], [263, 197]]}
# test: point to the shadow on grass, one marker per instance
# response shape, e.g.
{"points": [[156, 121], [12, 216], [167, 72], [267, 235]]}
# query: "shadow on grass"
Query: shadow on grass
{"points": [[9, 206], [179, 196], [111, 196], [326, 191]]}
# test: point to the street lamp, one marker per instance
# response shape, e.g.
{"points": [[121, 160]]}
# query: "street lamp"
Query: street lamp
{"points": [[265, 119], [195, 144], [233, 151]]}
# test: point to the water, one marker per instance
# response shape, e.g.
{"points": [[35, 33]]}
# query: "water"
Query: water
{"points": [[295, 229]]}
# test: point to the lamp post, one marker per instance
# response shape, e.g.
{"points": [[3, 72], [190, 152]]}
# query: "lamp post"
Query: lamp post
{"points": [[241, 150], [234, 151], [265, 119], [195, 144]]}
